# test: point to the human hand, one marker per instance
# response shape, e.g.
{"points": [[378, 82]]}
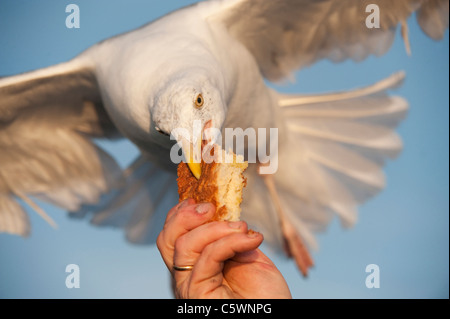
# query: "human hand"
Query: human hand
{"points": [[226, 260]]}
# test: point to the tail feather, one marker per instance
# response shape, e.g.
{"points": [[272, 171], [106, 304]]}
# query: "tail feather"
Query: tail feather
{"points": [[336, 157], [331, 159], [349, 132], [391, 82]]}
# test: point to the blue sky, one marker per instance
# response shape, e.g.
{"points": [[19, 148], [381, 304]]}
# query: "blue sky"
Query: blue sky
{"points": [[404, 230]]}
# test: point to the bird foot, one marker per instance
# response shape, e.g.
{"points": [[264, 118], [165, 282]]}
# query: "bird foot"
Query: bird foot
{"points": [[293, 243], [295, 248]]}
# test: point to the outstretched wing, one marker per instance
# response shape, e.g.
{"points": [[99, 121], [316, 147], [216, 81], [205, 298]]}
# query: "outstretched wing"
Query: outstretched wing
{"points": [[284, 35], [47, 118]]}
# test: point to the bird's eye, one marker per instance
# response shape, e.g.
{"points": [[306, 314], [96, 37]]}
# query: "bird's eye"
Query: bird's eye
{"points": [[199, 101]]}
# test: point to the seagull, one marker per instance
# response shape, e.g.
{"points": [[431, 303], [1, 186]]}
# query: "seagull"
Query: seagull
{"points": [[207, 63]]}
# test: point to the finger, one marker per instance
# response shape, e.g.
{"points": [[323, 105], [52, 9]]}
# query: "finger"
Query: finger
{"points": [[207, 274], [189, 246], [262, 267], [253, 256], [182, 220], [188, 201]]}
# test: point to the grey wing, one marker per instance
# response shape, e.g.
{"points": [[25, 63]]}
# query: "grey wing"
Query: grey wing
{"points": [[284, 35], [47, 120]]}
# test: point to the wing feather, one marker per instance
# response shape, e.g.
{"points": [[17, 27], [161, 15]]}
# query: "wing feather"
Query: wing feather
{"points": [[284, 35], [47, 118], [13, 218]]}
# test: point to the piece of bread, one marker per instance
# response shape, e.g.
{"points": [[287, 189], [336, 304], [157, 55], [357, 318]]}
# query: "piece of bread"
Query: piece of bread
{"points": [[221, 183]]}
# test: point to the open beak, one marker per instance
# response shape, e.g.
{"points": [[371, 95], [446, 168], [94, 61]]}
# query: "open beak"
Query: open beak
{"points": [[193, 150], [193, 155]]}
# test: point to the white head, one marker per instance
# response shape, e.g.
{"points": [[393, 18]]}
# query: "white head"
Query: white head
{"points": [[185, 98]]}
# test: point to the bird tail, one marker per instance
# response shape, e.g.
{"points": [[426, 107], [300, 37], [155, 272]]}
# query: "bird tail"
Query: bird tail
{"points": [[331, 159]]}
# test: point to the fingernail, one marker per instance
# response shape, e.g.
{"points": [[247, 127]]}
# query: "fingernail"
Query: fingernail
{"points": [[203, 208], [235, 225], [252, 234]]}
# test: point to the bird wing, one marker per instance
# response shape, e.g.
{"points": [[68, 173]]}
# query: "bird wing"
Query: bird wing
{"points": [[47, 120], [284, 35], [140, 205]]}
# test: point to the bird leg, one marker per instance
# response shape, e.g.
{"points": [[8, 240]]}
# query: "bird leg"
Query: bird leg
{"points": [[293, 243]]}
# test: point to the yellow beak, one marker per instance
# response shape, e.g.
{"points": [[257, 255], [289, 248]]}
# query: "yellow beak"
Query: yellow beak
{"points": [[195, 169], [192, 153]]}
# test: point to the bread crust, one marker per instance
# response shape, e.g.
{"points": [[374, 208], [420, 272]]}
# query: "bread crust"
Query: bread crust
{"points": [[204, 189]]}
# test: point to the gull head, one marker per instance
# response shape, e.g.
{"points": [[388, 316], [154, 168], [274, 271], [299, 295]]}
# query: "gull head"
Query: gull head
{"points": [[187, 106]]}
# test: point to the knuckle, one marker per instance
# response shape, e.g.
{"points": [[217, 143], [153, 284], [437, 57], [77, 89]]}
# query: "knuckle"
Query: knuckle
{"points": [[208, 251], [180, 244], [160, 241]]}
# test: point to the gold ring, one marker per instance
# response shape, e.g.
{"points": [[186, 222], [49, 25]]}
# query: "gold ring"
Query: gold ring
{"points": [[183, 268]]}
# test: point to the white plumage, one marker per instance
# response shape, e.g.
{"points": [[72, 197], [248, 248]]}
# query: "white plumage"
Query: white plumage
{"points": [[332, 146]]}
